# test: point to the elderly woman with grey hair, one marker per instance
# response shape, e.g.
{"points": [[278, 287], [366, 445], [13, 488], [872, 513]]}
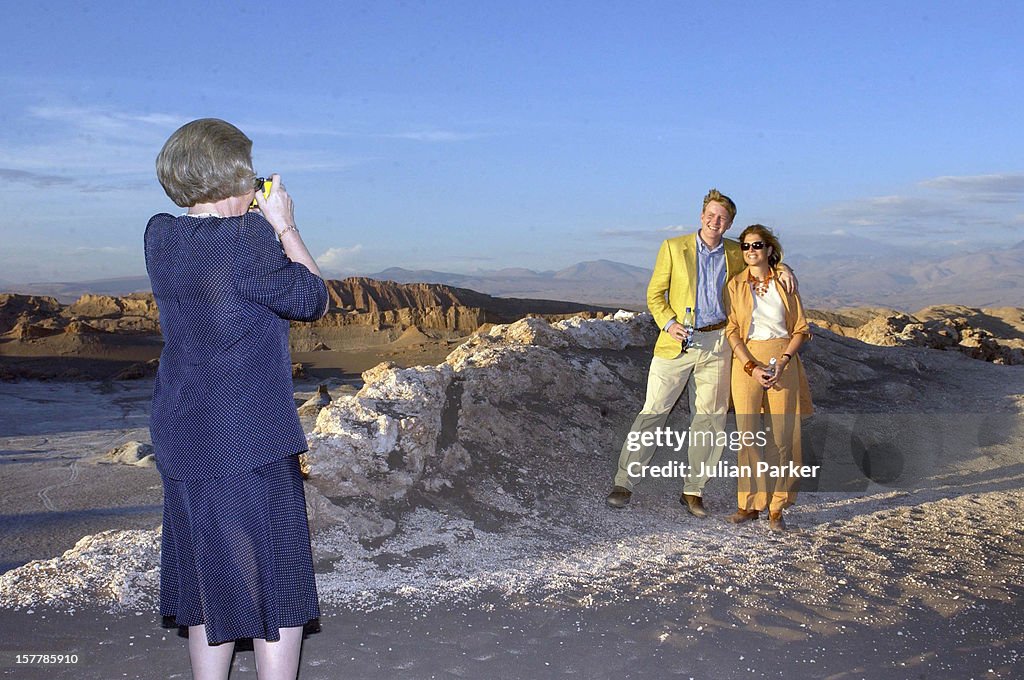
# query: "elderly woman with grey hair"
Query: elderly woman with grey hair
{"points": [[227, 278]]}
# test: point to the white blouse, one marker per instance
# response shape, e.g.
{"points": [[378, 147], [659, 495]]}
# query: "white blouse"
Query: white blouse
{"points": [[769, 318]]}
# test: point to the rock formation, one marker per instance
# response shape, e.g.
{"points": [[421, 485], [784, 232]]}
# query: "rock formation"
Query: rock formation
{"points": [[949, 327], [119, 569], [25, 309], [130, 453], [363, 313], [313, 405], [454, 477]]}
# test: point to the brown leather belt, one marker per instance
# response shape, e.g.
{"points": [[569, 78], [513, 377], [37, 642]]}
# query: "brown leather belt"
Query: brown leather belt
{"points": [[713, 327]]}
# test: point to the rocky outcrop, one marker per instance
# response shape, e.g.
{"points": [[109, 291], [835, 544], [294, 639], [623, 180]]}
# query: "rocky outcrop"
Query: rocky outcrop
{"points": [[503, 452], [902, 330], [119, 569], [948, 327], [25, 309], [26, 330], [363, 312], [139, 370], [360, 294], [136, 313], [503, 413], [79, 327], [312, 406], [130, 453], [97, 307]]}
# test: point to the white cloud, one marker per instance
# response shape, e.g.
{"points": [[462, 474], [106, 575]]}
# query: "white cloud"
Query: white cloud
{"points": [[1005, 186], [942, 205], [435, 136], [102, 250], [650, 234], [103, 121], [892, 210], [334, 258], [35, 179]]}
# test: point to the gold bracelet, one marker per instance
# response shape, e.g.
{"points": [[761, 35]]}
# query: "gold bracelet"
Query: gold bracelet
{"points": [[290, 227], [749, 367]]}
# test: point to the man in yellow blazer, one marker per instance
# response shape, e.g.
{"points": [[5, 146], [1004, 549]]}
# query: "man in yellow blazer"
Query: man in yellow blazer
{"points": [[691, 272]]}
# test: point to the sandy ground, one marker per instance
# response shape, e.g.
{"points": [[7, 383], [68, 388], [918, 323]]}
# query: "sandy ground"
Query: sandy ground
{"points": [[53, 434], [488, 639], [921, 582]]}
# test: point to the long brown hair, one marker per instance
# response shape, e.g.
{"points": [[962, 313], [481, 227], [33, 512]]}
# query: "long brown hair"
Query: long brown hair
{"points": [[768, 236]]}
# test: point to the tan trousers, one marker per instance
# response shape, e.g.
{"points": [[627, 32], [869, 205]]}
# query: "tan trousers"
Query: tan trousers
{"points": [[782, 442], [705, 371]]}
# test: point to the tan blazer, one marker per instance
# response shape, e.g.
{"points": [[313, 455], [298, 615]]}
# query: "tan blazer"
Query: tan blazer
{"points": [[675, 273], [741, 311]]}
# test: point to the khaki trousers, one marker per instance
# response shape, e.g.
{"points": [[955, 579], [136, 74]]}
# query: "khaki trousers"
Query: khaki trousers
{"points": [[705, 371], [782, 443]]}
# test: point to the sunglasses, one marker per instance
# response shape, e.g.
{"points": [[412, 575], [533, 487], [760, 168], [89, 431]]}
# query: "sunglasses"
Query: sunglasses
{"points": [[756, 245]]}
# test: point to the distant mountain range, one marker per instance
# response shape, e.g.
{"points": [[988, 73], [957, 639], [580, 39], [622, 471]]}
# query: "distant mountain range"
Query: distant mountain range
{"points": [[859, 272], [67, 292], [597, 282], [902, 280]]}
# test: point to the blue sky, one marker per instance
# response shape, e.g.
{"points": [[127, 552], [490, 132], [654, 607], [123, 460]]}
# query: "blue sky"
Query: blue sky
{"points": [[480, 135]]}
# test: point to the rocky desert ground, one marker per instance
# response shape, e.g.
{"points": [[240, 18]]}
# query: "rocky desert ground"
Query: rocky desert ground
{"points": [[458, 517]]}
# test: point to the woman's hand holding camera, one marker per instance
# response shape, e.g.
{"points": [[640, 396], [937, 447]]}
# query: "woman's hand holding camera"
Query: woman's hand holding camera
{"points": [[279, 210], [278, 207]]}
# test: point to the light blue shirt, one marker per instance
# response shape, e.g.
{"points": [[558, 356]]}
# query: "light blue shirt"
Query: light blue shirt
{"points": [[710, 283]]}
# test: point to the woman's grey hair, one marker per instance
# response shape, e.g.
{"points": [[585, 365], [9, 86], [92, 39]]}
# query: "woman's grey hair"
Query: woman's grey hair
{"points": [[205, 161]]}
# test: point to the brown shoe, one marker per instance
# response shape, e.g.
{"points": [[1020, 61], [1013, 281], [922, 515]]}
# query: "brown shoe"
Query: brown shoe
{"points": [[742, 516], [619, 497], [775, 522], [694, 505]]}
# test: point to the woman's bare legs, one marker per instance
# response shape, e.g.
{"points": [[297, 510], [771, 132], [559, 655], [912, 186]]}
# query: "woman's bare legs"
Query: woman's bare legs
{"points": [[209, 662], [279, 660]]}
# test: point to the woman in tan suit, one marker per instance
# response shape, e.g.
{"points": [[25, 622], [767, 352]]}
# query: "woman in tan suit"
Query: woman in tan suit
{"points": [[765, 323]]}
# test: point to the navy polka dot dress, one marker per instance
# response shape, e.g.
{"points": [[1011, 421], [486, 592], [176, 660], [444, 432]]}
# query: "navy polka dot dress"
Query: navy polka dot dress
{"points": [[235, 553], [235, 549]]}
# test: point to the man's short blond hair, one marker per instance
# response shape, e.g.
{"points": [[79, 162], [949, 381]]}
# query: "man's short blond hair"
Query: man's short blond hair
{"points": [[205, 161], [718, 197]]}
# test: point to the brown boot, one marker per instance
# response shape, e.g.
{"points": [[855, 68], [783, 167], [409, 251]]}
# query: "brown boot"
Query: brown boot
{"points": [[742, 516], [775, 522], [619, 497], [694, 505]]}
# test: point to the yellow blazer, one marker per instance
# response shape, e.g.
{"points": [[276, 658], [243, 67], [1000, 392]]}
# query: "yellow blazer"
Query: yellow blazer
{"points": [[675, 273], [741, 311]]}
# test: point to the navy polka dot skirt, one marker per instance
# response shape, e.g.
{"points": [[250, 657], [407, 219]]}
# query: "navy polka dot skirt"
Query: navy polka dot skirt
{"points": [[236, 555]]}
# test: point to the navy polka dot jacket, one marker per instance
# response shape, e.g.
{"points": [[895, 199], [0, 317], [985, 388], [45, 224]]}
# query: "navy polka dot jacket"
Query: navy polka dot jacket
{"points": [[225, 290]]}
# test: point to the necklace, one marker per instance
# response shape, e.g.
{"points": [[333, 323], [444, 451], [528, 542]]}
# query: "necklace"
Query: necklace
{"points": [[200, 216], [760, 285]]}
